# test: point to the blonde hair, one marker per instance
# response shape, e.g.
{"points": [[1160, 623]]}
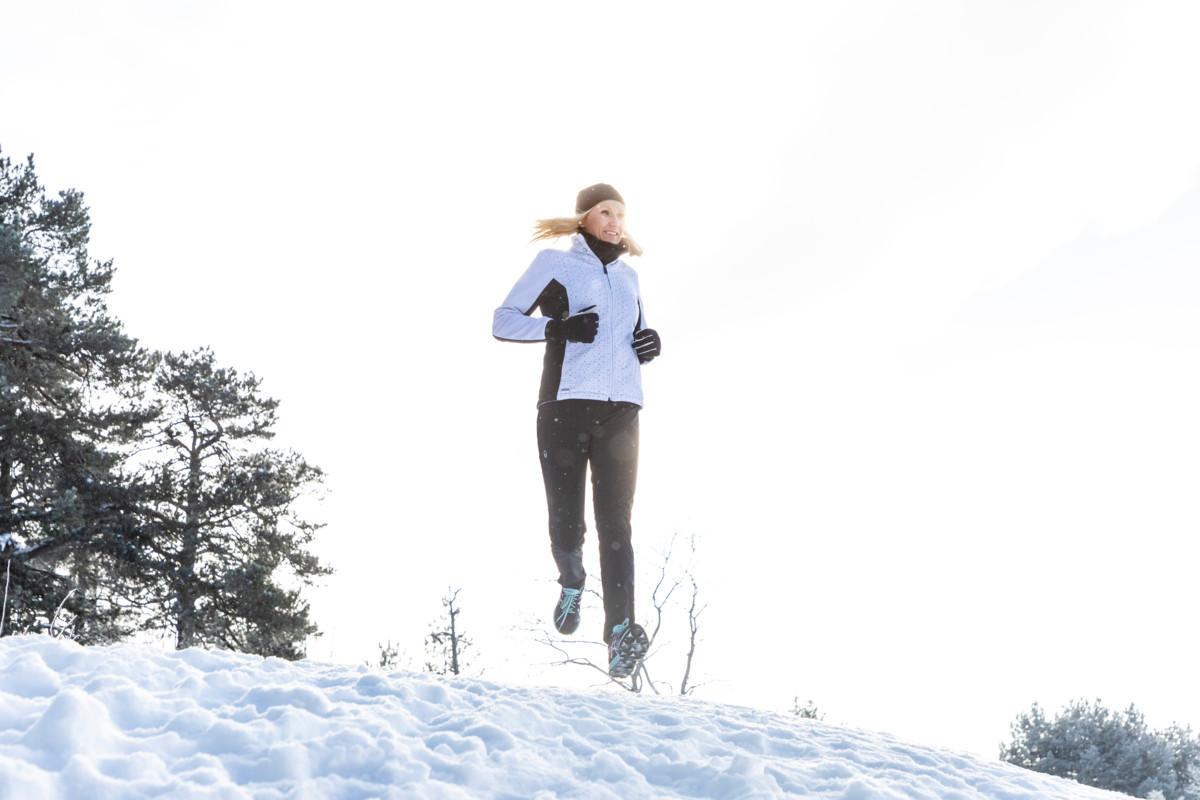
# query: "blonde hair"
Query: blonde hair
{"points": [[555, 227]]}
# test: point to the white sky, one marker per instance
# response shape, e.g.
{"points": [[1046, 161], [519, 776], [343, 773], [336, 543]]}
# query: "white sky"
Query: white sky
{"points": [[926, 277]]}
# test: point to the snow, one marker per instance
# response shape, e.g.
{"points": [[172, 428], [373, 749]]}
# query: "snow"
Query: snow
{"points": [[131, 721]]}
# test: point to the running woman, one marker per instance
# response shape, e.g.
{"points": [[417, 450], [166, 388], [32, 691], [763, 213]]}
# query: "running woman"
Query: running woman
{"points": [[594, 326]]}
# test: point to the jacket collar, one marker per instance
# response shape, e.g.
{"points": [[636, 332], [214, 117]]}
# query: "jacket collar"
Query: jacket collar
{"points": [[579, 244]]}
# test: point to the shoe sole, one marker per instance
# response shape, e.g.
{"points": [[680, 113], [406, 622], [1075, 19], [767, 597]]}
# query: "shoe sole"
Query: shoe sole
{"points": [[631, 649]]}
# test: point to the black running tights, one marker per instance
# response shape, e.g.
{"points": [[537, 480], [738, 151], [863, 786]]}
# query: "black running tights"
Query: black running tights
{"points": [[573, 434]]}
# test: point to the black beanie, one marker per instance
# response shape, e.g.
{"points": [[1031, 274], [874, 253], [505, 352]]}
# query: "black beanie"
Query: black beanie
{"points": [[592, 195]]}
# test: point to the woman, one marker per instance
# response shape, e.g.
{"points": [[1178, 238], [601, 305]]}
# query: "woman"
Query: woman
{"points": [[596, 341]]}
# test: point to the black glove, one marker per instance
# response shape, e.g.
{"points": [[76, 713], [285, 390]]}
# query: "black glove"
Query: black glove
{"points": [[579, 328], [647, 344]]}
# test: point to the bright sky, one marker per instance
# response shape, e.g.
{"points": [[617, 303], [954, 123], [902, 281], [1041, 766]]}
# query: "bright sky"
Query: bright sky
{"points": [[925, 273]]}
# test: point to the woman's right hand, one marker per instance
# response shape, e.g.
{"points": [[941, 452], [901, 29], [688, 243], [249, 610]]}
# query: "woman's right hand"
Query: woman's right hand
{"points": [[579, 328]]}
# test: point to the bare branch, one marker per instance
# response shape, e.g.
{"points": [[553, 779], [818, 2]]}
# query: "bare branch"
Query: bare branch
{"points": [[54, 621], [661, 596], [634, 685], [694, 626], [643, 672], [660, 605]]}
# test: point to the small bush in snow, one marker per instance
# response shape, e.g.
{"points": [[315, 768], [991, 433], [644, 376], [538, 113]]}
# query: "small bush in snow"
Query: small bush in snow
{"points": [[1109, 750]]}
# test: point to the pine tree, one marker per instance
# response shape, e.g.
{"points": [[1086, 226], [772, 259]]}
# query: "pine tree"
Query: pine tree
{"points": [[68, 402], [807, 711], [1107, 749], [222, 531], [446, 646]]}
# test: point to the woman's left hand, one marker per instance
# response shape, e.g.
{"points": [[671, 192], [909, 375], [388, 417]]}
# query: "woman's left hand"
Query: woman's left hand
{"points": [[647, 344]]}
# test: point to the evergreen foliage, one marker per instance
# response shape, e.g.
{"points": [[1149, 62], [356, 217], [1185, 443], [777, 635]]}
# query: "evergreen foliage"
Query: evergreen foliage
{"points": [[807, 711], [390, 657], [69, 379], [222, 535], [1109, 750], [136, 490]]}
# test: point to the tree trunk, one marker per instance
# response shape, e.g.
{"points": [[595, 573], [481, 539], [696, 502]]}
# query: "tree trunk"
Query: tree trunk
{"points": [[84, 577], [185, 619], [453, 640], [6, 490]]}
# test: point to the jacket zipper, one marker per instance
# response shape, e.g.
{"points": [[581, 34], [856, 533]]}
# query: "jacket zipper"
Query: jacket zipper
{"points": [[611, 350]]}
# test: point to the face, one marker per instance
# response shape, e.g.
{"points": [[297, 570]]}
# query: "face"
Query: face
{"points": [[606, 221]]}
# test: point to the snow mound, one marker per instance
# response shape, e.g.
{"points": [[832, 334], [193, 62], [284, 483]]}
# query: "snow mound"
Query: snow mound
{"points": [[134, 722]]}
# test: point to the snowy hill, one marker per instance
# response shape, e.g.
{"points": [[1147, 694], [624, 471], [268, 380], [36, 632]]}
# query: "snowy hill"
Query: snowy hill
{"points": [[132, 722]]}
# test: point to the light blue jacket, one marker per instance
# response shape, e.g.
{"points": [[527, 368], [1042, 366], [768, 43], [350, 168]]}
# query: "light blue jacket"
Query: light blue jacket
{"points": [[562, 283]]}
